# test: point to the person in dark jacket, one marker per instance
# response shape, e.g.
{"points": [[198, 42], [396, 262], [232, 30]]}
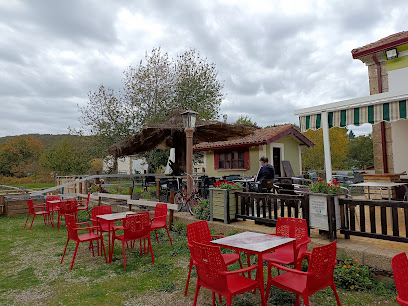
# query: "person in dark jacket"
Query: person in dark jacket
{"points": [[266, 172]]}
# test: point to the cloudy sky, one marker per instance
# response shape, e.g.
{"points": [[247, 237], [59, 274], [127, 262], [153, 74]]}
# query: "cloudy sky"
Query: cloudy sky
{"points": [[274, 56]]}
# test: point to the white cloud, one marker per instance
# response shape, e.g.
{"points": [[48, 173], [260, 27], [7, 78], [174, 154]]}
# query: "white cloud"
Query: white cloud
{"points": [[275, 56]]}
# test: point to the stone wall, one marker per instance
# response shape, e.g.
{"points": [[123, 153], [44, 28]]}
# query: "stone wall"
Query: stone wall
{"points": [[377, 142], [377, 148]]}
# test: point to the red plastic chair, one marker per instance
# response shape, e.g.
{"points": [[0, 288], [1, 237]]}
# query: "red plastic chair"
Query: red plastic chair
{"points": [[73, 235], [68, 206], [318, 276], [212, 274], [104, 225], [399, 265], [86, 207], [160, 220], [290, 228], [200, 232], [101, 210], [51, 206], [136, 227], [33, 212]]}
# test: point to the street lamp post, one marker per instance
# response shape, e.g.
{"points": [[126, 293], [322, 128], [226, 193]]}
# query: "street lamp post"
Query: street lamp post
{"points": [[189, 120]]}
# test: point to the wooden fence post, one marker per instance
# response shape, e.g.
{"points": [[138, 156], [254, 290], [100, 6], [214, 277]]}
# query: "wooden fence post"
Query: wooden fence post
{"points": [[100, 191], [158, 188]]}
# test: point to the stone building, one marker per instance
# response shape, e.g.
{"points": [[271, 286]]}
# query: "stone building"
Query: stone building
{"points": [[388, 75], [387, 63]]}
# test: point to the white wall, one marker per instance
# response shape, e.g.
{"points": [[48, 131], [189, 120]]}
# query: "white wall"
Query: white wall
{"points": [[400, 145], [397, 79]]}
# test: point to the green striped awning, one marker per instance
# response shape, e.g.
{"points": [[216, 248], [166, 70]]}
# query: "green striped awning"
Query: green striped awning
{"points": [[391, 111]]}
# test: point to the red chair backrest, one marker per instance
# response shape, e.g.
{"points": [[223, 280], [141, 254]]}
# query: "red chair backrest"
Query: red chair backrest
{"points": [[160, 214], [322, 264], [71, 226], [209, 262], [53, 198], [399, 265], [68, 206], [101, 210], [137, 225], [198, 232], [30, 205], [292, 228]]}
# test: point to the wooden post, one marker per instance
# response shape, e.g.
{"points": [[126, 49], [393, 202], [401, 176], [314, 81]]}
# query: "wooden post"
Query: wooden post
{"points": [[158, 188], [130, 193], [100, 191], [80, 188], [171, 214], [331, 214]]}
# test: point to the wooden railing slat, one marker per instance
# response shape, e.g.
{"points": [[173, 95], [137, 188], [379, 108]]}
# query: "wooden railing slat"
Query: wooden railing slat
{"points": [[362, 218]]}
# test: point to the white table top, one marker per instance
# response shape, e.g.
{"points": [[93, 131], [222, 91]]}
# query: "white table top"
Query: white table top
{"points": [[115, 216], [255, 242], [244, 180], [377, 184]]}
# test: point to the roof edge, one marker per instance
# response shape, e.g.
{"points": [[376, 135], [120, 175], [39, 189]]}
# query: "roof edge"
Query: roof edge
{"points": [[379, 48]]}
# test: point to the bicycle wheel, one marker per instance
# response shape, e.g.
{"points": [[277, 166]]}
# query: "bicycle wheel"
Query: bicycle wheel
{"points": [[193, 202], [179, 200]]}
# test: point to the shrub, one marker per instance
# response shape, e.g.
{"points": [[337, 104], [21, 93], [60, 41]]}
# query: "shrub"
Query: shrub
{"points": [[350, 275], [202, 210]]}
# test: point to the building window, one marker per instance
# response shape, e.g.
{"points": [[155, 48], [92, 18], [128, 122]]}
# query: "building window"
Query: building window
{"points": [[231, 159]]}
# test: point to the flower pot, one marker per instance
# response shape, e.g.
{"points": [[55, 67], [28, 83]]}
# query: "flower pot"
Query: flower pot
{"points": [[324, 211], [222, 204]]}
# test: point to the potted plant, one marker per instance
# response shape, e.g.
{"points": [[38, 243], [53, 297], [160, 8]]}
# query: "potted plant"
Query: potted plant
{"points": [[222, 200], [324, 210]]}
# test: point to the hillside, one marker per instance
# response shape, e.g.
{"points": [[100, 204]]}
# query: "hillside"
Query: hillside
{"points": [[48, 139]]}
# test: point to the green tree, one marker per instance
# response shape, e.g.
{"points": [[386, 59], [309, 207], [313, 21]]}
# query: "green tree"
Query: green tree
{"points": [[361, 152], [151, 91], [245, 119], [68, 156], [197, 85], [107, 117], [19, 156], [313, 158]]}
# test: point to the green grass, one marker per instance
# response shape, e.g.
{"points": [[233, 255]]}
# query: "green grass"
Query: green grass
{"points": [[31, 273]]}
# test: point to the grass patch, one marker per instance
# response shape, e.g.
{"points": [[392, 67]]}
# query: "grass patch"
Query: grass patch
{"points": [[32, 273]]}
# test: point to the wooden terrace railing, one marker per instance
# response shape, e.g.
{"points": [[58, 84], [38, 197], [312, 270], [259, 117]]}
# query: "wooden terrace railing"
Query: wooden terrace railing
{"points": [[387, 220], [265, 208]]}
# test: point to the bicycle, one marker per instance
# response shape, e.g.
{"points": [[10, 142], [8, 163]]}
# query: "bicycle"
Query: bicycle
{"points": [[187, 203]]}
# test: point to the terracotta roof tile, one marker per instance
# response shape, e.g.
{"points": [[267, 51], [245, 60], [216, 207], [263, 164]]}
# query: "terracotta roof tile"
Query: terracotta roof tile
{"points": [[260, 136], [383, 41]]}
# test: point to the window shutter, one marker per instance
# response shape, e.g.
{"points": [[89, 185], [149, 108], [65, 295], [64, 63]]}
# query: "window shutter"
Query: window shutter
{"points": [[216, 161], [246, 159]]}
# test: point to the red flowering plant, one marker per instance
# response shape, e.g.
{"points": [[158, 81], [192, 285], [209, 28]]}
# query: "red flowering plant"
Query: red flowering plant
{"points": [[226, 185], [321, 186]]}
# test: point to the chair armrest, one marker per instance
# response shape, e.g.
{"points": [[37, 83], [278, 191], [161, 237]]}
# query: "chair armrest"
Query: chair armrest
{"points": [[238, 271], [280, 267], [218, 236], [82, 223], [84, 228], [39, 206], [302, 243]]}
